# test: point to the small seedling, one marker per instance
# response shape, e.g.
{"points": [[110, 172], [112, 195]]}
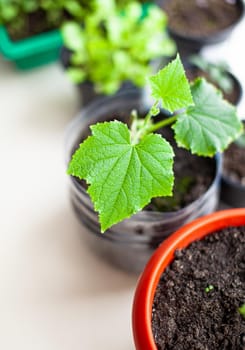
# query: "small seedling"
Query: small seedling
{"points": [[209, 288], [242, 310], [125, 168]]}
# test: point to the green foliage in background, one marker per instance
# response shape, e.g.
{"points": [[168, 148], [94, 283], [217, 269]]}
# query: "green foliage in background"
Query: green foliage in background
{"points": [[116, 44], [15, 14]]}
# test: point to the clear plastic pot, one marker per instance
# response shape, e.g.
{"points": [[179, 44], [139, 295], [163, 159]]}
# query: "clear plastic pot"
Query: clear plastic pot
{"points": [[130, 243]]}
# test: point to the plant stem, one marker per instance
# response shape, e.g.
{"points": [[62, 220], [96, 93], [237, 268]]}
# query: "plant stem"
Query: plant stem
{"points": [[150, 114], [138, 132], [162, 123]]}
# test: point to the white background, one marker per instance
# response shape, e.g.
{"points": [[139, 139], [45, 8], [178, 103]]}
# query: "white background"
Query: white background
{"points": [[55, 294]]}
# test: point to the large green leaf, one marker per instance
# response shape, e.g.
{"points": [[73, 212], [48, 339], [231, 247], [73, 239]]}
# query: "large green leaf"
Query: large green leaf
{"points": [[208, 126], [171, 86], [122, 177]]}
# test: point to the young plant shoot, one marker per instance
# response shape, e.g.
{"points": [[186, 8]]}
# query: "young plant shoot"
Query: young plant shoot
{"points": [[125, 168]]}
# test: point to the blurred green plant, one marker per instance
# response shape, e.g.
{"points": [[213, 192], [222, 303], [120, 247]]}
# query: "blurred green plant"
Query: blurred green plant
{"points": [[116, 44]]}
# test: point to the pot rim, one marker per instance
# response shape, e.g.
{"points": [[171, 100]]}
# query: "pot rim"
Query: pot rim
{"points": [[145, 291]]}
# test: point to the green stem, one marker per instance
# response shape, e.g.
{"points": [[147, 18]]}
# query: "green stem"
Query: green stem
{"points": [[149, 114], [161, 124]]}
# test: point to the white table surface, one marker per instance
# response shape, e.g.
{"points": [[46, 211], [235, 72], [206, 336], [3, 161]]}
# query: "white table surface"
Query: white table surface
{"points": [[55, 294]]}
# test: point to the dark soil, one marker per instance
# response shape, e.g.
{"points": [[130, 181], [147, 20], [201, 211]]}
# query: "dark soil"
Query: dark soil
{"points": [[33, 23], [197, 299], [193, 177], [200, 18], [40, 21], [232, 96], [234, 163]]}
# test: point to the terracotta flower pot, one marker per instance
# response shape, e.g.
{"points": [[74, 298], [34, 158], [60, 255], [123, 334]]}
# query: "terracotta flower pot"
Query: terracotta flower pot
{"points": [[144, 295]]}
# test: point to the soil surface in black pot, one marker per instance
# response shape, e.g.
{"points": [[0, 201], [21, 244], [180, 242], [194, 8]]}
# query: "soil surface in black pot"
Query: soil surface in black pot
{"points": [[193, 176], [197, 299], [234, 163], [200, 18], [233, 96]]}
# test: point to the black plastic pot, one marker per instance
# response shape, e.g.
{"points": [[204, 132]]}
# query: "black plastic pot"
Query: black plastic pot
{"points": [[189, 44], [232, 190], [233, 97], [129, 244], [232, 193]]}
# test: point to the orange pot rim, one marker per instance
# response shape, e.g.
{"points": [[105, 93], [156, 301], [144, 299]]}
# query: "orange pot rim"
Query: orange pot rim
{"points": [[145, 291]]}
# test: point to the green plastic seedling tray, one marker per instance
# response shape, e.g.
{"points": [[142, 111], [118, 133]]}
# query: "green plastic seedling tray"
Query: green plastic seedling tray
{"points": [[31, 52]]}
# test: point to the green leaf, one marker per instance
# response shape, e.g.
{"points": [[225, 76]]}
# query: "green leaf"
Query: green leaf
{"points": [[9, 12], [74, 8], [73, 36], [122, 177], [77, 75], [30, 6], [210, 125], [171, 86]]}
